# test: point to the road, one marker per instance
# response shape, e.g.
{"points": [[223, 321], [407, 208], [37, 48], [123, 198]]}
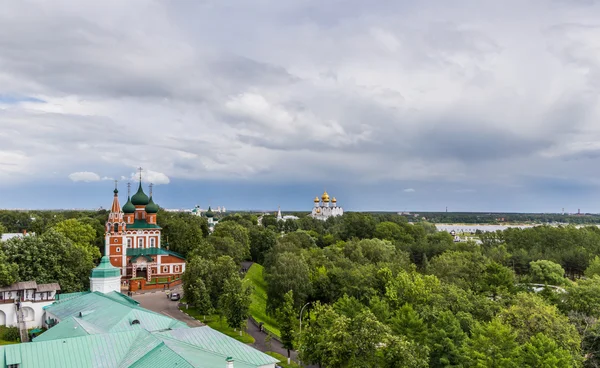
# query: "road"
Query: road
{"points": [[158, 302]]}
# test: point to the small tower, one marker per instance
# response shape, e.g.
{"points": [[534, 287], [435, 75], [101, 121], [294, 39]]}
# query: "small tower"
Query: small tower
{"points": [[115, 224], [279, 217], [105, 278]]}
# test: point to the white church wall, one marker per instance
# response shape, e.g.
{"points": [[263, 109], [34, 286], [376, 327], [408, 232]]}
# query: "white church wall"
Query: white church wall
{"points": [[33, 314]]}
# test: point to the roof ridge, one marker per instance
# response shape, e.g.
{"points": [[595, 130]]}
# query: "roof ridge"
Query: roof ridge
{"points": [[176, 341]]}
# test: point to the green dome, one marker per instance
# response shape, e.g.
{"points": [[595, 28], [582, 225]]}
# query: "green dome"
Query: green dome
{"points": [[140, 198], [151, 207], [129, 207], [105, 270], [210, 213]]}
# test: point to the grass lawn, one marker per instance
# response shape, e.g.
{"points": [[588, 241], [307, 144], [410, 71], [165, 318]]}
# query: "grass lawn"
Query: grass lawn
{"points": [[282, 360], [220, 325], [2, 342], [258, 307]]}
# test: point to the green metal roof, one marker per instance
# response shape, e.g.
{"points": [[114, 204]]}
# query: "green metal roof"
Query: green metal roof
{"points": [[133, 252], [70, 327], [105, 269], [96, 331], [129, 207], [141, 224], [151, 207], [140, 349], [110, 312], [217, 342], [140, 198]]}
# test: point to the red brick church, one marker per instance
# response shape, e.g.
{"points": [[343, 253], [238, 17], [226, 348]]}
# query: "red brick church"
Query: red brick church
{"points": [[133, 241]]}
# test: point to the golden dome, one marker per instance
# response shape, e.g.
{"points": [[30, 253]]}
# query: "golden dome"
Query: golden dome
{"points": [[325, 197], [334, 200], [318, 210], [316, 199]]}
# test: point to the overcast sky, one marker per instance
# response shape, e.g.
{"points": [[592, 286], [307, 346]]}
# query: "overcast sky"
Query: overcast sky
{"points": [[389, 105]]}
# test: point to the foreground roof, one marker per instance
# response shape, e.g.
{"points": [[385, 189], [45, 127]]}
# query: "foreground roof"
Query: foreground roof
{"points": [[111, 312], [140, 349], [112, 330]]}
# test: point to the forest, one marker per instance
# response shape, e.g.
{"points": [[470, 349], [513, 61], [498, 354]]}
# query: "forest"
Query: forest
{"points": [[377, 291]]}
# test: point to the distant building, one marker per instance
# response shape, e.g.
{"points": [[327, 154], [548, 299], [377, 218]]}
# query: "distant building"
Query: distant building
{"points": [[26, 301], [210, 216], [323, 210], [286, 217], [22, 234]]}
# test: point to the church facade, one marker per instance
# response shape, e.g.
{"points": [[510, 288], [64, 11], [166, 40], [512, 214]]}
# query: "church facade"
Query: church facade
{"points": [[326, 208], [133, 240]]}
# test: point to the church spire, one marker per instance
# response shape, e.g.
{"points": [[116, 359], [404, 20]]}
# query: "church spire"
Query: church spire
{"points": [[279, 217], [116, 207]]}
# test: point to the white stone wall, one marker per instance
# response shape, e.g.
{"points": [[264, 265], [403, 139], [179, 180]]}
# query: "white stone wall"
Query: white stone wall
{"points": [[105, 285], [33, 314]]}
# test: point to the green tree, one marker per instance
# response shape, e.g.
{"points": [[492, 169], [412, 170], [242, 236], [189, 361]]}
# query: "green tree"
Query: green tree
{"points": [[227, 246], [461, 268], [407, 322], [546, 272], [198, 296], [445, 339], [261, 242], [236, 232], [183, 232], [286, 316], [530, 314], [497, 279], [357, 225], [52, 257], [593, 268], [543, 352], [584, 296], [235, 302], [289, 272], [399, 352], [8, 270], [492, 345]]}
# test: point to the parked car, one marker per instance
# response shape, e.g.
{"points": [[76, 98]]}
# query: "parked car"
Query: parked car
{"points": [[175, 296]]}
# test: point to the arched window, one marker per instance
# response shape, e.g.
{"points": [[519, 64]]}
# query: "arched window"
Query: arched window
{"points": [[116, 228], [140, 242], [152, 240], [128, 242]]}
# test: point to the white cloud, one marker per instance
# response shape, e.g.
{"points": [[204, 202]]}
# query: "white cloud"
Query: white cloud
{"points": [[409, 190], [149, 176], [86, 176], [457, 93]]}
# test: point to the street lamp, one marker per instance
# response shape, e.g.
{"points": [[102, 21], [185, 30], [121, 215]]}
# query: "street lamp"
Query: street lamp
{"points": [[301, 315]]}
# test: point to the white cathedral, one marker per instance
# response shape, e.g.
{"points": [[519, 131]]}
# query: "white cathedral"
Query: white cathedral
{"points": [[325, 209]]}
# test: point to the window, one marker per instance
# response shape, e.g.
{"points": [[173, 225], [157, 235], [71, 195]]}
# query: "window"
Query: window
{"points": [[116, 228], [128, 242], [140, 242], [116, 240], [118, 249], [166, 269], [152, 240], [176, 268]]}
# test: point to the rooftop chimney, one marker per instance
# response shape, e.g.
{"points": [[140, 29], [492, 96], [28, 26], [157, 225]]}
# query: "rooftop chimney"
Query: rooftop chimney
{"points": [[229, 361]]}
